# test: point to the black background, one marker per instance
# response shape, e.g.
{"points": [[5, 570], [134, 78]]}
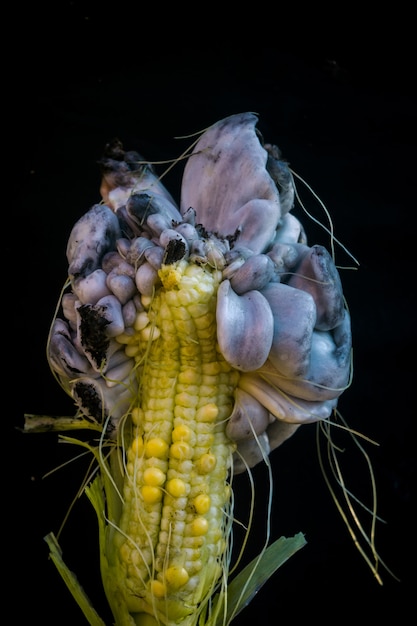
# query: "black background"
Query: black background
{"points": [[336, 94]]}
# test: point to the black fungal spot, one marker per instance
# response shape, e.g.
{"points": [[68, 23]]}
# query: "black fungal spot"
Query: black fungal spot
{"points": [[174, 251], [233, 238], [89, 399], [93, 332]]}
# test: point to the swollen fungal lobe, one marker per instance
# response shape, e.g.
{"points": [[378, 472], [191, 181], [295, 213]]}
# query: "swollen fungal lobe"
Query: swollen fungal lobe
{"points": [[327, 375], [316, 274], [92, 287], [286, 255], [151, 204], [250, 452], [279, 431], [96, 400], [64, 357], [294, 314], [266, 385], [254, 273], [126, 173], [248, 417], [226, 182], [244, 327], [290, 231], [92, 236], [281, 175]]}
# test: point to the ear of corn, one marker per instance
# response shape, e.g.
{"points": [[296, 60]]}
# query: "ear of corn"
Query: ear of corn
{"points": [[184, 327], [169, 551]]}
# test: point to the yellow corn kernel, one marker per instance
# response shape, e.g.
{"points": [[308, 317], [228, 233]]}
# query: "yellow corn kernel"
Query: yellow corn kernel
{"points": [[137, 415], [182, 432], [126, 337], [158, 404], [199, 526], [213, 368], [158, 589], [202, 503], [180, 313], [176, 487], [176, 577], [156, 447], [154, 476], [193, 391], [133, 350], [206, 463], [137, 446], [194, 271], [204, 323], [185, 399], [146, 301], [207, 413], [189, 376], [181, 450], [141, 321], [200, 311], [150, 333], [151, 494], [184, 413], [184, 326]]}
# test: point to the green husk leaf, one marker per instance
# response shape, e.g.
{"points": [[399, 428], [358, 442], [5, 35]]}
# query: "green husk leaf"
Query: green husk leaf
{"points": [[248, 582], [95, 493], [72, 582], [47, 423]]}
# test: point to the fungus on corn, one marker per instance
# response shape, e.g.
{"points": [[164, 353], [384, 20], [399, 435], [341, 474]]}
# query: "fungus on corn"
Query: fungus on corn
{"points": [[196, 338]]}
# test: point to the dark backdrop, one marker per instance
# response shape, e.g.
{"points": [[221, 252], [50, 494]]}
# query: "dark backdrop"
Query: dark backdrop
{"points": [[338, 99]]}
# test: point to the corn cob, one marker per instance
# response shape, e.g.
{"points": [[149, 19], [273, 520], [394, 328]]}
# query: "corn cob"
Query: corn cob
{"points": [[172, 533], [197, 339]]}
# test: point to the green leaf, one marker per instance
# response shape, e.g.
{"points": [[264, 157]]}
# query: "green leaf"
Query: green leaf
{"points": [[249, 581], [72, 582]]}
